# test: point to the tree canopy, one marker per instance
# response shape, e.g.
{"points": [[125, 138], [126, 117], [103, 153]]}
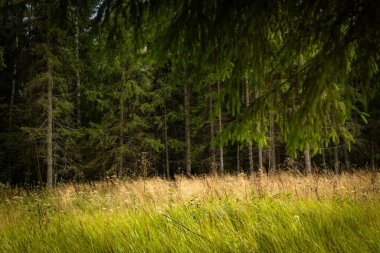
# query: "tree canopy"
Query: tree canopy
{"points": [[91, 89], [336, 41]]}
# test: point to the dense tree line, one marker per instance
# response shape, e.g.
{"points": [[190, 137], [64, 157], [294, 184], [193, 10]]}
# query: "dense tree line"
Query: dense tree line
{"points": [[93, 89]]}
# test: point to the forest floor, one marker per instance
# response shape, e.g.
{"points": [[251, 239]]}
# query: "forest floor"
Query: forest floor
{"points": [[284, 212]]}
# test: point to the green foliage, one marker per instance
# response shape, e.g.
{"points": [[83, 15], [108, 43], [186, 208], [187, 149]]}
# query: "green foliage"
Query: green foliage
{"points": [[266, 38], [119, 68]]}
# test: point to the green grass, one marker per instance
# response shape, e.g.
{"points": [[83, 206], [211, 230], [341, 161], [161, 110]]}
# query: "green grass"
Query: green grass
{"points": [[101, 221]]}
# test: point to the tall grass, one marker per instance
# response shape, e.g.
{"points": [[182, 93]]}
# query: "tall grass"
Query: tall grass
{"points": [[282, 213]]}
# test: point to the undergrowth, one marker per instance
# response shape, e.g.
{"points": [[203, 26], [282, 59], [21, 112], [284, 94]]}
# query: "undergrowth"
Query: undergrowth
{"points": [[212, 214]]}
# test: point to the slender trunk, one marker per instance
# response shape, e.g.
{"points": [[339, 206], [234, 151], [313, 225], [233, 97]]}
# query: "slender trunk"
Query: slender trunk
{"points": [[13, 92], [250, 157], [346, 159], [49, 151], [187, 129], [213, 156], [272, 151], [336, 155], [336, 159], [39, 174], [121, 123], [250, 149], [220, 131], [323, 157], [260, 151], [238, 157], [77, 73], [29, 28], [261, 166], [166, 145], [308, 169]]}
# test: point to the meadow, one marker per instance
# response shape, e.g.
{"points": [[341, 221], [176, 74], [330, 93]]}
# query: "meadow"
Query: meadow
{"points": [[284, 212]]}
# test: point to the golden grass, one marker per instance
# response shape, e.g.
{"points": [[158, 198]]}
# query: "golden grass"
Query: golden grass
{"points": [[159, 192], [284, 212]]}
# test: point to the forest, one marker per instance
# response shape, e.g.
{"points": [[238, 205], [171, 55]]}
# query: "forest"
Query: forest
{"points": [[95, 89], [189, 126]]}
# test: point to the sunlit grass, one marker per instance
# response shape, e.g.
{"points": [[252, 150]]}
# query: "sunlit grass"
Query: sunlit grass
{"points": [[281, 213]]}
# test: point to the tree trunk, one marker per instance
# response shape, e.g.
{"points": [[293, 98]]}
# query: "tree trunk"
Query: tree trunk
{"points": [[260, 151], [346, 158], [30, 17], [336, 159], [261, 165], [323, 157], [272, 151], [220, 131], [187, 129], [308, 169], [238, 157], [77, 73], [49, 151], [212, 149], [250, 149], [13, 91], [166, 145], [121, 123]]}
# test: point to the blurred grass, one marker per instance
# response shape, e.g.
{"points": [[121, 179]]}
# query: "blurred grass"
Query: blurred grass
{"points": [[284, 213]]}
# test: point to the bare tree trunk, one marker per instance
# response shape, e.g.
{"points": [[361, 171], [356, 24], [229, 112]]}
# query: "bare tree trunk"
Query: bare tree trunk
{"points": [[166, 145], [187, 129], [77, 73], [29, 28], [238, 157], [261, 165], [49, 151], [212, 132], [121, 123], [346, 159], [250, 149], [272, 151], [308, 169], [13, 92], [250, 157], [336, 159], [260, 151], [323, 157], [220, 131]]}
